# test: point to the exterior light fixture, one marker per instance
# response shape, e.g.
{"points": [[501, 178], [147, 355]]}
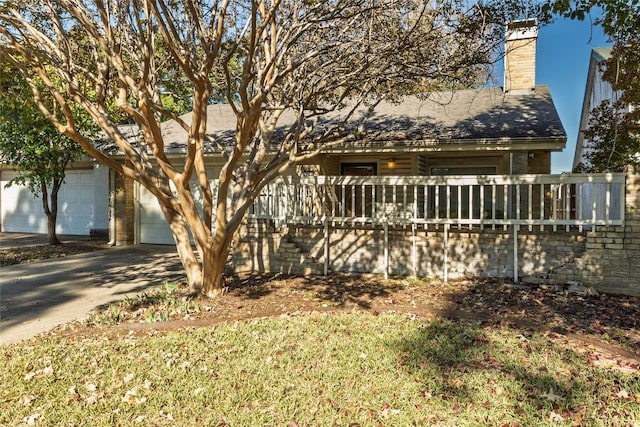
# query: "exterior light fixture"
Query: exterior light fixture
{"points": [[391, 163]]}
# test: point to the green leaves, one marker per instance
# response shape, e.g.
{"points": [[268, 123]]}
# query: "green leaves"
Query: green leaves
{"points": [[613, 138], [27, 139], [613, 126]]}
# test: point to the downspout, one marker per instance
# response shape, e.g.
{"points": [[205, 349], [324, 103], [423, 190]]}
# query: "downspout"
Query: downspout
{"points": [[112, 208]]}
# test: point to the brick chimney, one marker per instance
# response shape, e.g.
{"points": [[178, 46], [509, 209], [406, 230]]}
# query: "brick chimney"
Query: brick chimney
{"points": [[520, 55]]}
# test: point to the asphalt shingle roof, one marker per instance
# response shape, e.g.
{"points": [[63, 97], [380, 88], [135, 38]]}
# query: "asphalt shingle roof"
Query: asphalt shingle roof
{"points": [[445, 117], [487, 114]]}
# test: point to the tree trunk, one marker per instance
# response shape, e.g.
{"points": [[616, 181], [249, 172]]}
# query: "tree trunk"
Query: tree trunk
{"points": [[51, 210], [214, 261], [192, 267], [52, 237], [204, 270]]}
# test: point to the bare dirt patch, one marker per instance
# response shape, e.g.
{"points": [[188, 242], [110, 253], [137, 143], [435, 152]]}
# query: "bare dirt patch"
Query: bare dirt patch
{"points": [[602, 324], [25, 254], [605, 326]]}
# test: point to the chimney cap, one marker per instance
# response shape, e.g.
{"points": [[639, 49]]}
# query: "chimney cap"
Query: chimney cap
{"points": [[522, 29]]}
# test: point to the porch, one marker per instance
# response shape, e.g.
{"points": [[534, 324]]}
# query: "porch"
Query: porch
{"points": [[533, 200], [431, 225]]}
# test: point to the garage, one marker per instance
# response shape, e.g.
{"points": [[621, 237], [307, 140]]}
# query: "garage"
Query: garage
{"points": [[82, 204], [153, 227]]}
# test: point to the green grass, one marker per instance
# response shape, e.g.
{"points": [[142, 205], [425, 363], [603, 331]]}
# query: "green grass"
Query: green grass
{"points": [[157, 305], [322, 369]]}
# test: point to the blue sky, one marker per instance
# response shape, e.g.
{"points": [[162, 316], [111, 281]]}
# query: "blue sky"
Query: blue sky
{"points": [[563, 52]]}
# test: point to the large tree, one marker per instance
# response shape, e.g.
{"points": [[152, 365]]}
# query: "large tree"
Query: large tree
{"points": [[29, 142], [267, 58], [613, 129]]}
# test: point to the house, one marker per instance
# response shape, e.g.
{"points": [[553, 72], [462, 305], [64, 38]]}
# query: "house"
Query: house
{"points": [[457, 183], [83, 202], [388, 201], [597, 90], [510, 130], [490, 131]]}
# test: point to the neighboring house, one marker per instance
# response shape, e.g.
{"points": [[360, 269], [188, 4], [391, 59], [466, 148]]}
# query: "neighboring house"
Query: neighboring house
{"points": [[597, 90], [83, 202]]}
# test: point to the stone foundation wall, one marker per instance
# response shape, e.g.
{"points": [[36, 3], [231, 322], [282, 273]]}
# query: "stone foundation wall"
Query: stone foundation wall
{"points": [[607, 259], [611, 262], [360, 249]]}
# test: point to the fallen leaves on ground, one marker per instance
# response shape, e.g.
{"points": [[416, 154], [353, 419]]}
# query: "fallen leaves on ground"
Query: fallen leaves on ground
{"points": [[595, 323], [26, 254], [606, 328]]}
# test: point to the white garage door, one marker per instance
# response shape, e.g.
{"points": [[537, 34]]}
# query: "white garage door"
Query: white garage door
{"points": [[154, 228], [22, 212]]}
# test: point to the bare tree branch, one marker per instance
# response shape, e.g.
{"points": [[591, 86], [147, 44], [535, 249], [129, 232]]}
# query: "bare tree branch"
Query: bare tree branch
{"points": [[270, 59]]}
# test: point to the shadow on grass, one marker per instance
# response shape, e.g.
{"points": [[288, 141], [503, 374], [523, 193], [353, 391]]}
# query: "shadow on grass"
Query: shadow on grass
{"points": [[615, 319], [470, 364]]}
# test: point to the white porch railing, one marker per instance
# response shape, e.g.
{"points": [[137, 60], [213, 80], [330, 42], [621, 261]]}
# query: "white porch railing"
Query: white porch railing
{"points": [[543, 201], [491, 200]]}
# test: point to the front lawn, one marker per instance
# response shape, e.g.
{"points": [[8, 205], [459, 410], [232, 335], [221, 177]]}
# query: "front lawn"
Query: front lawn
{"points": [[343, 368]]}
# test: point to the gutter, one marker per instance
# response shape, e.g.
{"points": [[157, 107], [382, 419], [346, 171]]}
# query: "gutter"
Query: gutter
{"points": [[421, 146], [410, 146]]}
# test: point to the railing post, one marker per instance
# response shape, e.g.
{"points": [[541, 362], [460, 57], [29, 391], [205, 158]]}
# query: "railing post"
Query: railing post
{"points": [[414, 254], [446, 253], [386, 249], [326, 246], [515, 252], [622, 196]]}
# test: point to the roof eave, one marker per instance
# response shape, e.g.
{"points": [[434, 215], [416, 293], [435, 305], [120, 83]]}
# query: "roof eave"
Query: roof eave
{"points": [[428, 145], [481, 144]]}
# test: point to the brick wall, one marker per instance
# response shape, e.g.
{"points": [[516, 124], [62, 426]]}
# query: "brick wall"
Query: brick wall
{"points": [[531, 162], [520, 64], [607, 259], [539, 162], [519, 163], [611, 261], [360, 249], [124, 210]]}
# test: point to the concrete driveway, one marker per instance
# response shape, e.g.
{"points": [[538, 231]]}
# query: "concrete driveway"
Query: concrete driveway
{"points": [[37, 297]]}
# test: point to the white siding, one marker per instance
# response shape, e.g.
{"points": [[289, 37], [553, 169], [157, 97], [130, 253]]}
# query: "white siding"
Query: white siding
{"points": [[82, 204], [151, 223], [154, 228], [597, 90]]}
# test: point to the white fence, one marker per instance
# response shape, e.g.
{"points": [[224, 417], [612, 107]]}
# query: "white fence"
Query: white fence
{"points": [[524, 200], [555, 202]]}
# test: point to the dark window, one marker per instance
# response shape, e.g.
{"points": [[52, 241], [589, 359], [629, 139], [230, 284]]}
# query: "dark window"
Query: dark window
{"points": [[359, 169]]}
